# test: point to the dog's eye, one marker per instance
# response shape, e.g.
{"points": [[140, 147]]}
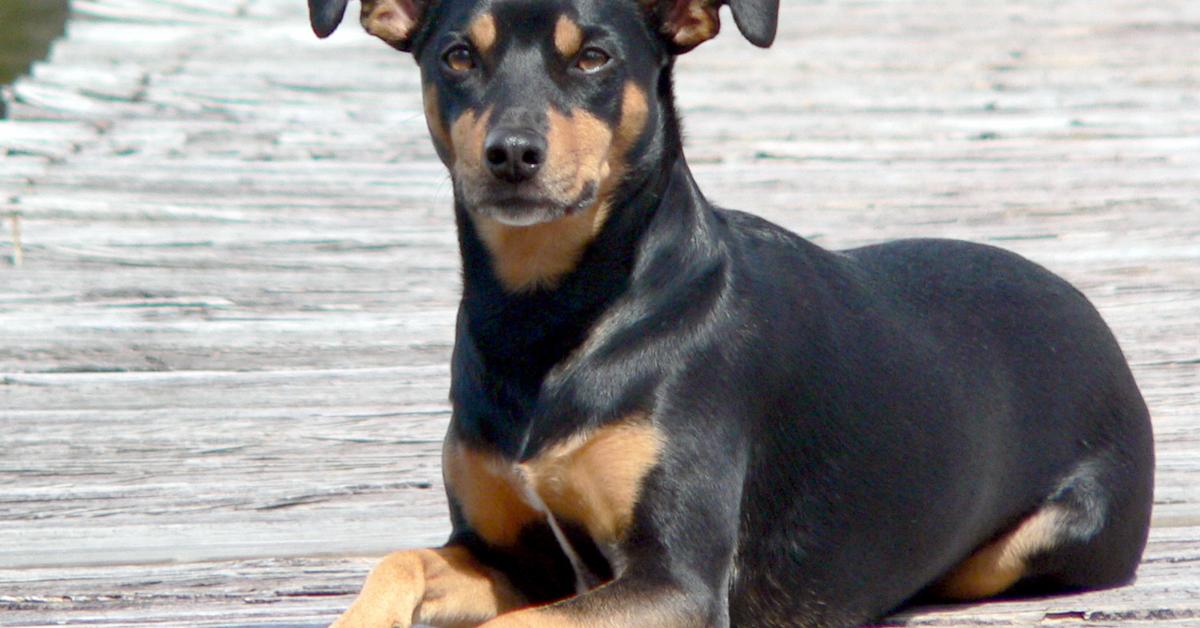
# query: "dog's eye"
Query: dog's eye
{"points": [[591, 60], [459, 58]]}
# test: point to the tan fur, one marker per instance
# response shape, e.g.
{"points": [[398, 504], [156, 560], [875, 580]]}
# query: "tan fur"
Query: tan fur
{"points": [[526, 258], [483, 32], [433, 118], [536, 256], [568, 37], [691, 22], [444, 586], [390, 20], [488, 490], [635, 110], [1001, 563], [466, 138], [582, 150], [594, 479], [578, 151]]}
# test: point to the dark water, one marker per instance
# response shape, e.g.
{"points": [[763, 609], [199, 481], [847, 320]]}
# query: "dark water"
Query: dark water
{"points": [[26, 29]]}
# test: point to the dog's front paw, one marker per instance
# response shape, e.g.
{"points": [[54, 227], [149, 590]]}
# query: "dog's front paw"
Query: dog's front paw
{"points": [[362, 616]]}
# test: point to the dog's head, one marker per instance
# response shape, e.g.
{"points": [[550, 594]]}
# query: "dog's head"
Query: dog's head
{"points": [[540, 108], [534, 105]]}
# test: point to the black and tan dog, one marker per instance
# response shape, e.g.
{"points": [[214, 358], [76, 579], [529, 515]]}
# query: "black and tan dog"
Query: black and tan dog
{"points": [[667, 414]]}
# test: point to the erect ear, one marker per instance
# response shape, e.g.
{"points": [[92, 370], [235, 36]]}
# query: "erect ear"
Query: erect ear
{"points": [[689, 23], [393, 21]]}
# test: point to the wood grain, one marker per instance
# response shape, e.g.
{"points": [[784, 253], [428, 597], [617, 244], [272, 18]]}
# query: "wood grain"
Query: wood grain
{"points": [[223, 361]]}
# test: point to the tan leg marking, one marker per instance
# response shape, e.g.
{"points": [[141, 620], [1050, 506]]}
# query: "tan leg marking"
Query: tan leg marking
{"points": [[594, 479], [568, 37], [487, 489], [482, 32], [444, 586], [1000, 564]]}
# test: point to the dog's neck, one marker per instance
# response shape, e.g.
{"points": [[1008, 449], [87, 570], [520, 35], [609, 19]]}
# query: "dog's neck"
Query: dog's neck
{"points": [[521, 335]]}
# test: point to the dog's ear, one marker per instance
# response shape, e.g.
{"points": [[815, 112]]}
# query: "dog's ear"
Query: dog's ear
{"points": [[757, 19], [689, 23], [393, 21], [325, 15]]}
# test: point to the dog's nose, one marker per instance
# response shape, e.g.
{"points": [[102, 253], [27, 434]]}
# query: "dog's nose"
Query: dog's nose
{"points": [[514, 155]]}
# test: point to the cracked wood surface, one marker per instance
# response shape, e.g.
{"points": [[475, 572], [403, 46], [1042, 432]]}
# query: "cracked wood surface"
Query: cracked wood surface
{"points": [[224, 358]]}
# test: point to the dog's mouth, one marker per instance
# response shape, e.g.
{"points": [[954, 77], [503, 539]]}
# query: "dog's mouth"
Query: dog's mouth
{"points": [[525, 206]]}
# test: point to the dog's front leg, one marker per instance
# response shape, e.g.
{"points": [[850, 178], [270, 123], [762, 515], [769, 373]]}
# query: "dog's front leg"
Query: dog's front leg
{"points": [[442, 587], [628, 602]]}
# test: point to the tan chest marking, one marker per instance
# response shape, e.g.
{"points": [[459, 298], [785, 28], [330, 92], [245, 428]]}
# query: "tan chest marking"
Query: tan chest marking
{"points": [[592, 480], [595, 479], [487, 490]]}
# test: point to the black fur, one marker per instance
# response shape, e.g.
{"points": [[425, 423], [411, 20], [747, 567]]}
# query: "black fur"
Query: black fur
{"points": [[843, 428]]}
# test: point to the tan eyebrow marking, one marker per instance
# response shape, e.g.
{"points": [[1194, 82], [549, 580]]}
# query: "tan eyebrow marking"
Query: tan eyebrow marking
{"points": [[483, 32], [568, 37]]}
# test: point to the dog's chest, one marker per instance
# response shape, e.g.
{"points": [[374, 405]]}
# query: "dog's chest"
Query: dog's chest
{"points": [[591, 481]]}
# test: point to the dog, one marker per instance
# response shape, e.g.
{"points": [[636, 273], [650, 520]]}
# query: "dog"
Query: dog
{"points": [[670, 414]]}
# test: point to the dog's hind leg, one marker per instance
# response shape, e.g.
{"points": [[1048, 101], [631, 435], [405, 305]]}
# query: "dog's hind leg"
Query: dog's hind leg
{"points": [[1089, 534], [1101, 544], [998, 565]]}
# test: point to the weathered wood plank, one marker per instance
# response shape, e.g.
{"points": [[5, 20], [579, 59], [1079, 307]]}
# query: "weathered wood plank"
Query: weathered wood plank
{"points": [[306, 591]]}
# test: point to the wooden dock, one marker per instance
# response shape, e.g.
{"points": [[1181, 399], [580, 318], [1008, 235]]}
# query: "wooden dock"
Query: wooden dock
{"points": [[228, 271]]}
